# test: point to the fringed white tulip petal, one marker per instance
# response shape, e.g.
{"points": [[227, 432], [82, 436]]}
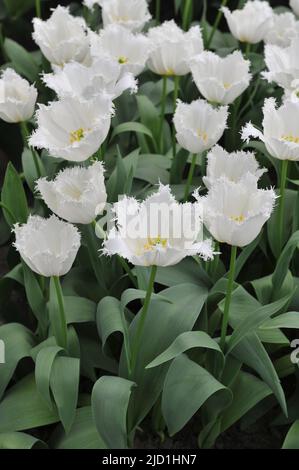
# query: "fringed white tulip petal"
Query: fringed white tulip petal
{"points": [[77, 194], [48, 246], [18, 97], [124, 48], [172, 48], [131, 14], [251, 23], [62, 38], [73, 129]]}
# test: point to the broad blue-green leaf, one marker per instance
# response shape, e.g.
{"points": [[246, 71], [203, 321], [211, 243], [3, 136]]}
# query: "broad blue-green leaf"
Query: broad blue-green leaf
{"points": [[13, 196], [131, 127], [292, 438], [82, 435], [29, 168], [186, 388], [184, 342], [18, 342], [247, 392], [21, 59], [79, 310], [22, 408], [164, 323], [43, 367], [65, 385], [284, 261], [110, 319], [255, 319], [35, 297], [286, 320], [110, 400], [20, 440]]}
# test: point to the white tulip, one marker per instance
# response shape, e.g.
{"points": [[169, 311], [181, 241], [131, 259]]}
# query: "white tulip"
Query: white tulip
{"points": [[293, 94], [17, 97], [284, 28], [77, 194], [154, 232], [233, 166], [294, 4], [48, 246], [282, 63], [250, 24], [78, 80], [172, 48], [122, 46], [221, 80], [280, 130], [132, 14], [235, 213], [62, 38], [72, 129], [198, 125]]}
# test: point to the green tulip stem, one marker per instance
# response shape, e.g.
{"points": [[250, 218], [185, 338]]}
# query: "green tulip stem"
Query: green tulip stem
{"points": [[162, 116], [141, 321], [283, 180], [62, 339], [25, 134], [190, 177], [216, 24], [229, 291]]}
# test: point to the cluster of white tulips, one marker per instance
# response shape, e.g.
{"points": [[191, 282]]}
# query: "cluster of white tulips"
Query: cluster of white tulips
{"points": [[91, 69]]}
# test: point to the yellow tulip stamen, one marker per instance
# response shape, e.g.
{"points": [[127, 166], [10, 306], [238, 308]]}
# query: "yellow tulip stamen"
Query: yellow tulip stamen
{"points": [[227, 85], [238, 218], [153, 242], [202, 135], [76, 136], [169, 73], [291, 138], [123, 60]]}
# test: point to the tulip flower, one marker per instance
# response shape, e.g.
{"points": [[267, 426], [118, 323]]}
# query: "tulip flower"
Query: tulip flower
{"points": [[18, 97], [220, 80], [284, 27], [234, 213], [282, 64], [172, 48], [62, 38], [251, 23], [76, 194], [132, 14], [294, 4], [79, 81], [232, 166], [49, 247], [156, 232], [198, 127], [122, 46], [73, 129], [153, 242], [281, 138]]}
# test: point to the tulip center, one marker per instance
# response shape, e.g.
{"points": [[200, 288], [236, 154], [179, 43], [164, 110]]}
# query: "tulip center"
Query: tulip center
{"points": [[291, 138], [202, 135], [76, 136], [153, 242], [238, 218], [123, 60], [169, 73], [227, 85]]}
